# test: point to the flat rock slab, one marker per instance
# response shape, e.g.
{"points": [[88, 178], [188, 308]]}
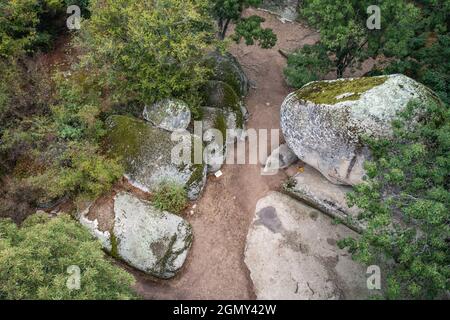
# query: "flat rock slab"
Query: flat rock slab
{"points": [[313, 188], [292, 253]]}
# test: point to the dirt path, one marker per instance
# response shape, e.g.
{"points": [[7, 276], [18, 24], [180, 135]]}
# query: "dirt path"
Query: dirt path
{"points": [[215, 267]]}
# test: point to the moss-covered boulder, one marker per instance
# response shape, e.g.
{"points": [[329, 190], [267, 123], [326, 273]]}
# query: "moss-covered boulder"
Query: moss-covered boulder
{"points": [[227, 69], [324, 121], [223, 121], [146, 152], [148, 239], [218, 94], [168, 114]]}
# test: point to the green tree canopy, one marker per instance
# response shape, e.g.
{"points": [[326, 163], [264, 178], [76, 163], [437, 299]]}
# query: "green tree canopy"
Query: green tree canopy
{"points": [[347, 39], [34, 260], [147, 50], [406, 204], [227, 11]]}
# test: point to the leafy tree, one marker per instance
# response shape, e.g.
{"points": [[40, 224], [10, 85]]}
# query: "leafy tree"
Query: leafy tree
{"points": [[227, 11], [147, 50], [428, 51], [406, 204], [344, 33], [35, 257], [307, 64], [28, 24]]}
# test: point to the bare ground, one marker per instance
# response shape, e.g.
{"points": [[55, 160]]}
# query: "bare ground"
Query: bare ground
{"points": [[215, 267]]}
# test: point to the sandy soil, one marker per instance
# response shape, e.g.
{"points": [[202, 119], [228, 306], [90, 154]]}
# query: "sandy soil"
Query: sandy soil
{"points": [[215, 267]]}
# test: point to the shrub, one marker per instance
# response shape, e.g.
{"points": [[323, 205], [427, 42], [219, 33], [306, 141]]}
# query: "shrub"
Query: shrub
{"points": [[171, 197], [34, 260], [406, 204]]}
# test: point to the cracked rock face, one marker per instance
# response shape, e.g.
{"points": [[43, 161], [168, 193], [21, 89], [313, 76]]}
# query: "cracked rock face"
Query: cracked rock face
{"points": [[311, 187], [148, 239], [292, 254], [324, 121]]}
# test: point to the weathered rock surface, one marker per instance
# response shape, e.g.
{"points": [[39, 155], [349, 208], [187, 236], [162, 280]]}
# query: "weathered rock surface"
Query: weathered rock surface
{"points": [[313, 188], [227, 69], [168, 114], [286, 9], [147, 155], [217, 121], [324, 121], [282, 157], [153, 241], [291, 253], [220, 95]]}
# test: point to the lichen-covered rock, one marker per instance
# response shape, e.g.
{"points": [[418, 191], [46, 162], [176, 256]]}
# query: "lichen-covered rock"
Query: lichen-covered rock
{"points": [[311, 187], [281, 158], [324, 121], [148, 239], [146, 152], [292, 254], [287, 9], [220, 95], [168, 114], [227, 69]]}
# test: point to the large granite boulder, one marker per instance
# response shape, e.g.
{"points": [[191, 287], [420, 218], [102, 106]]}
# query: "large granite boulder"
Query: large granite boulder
{"points": [[324, 121], [292, 254], [148, 239], [312, 187], [168, 114], [146, 152], [227, 69]]}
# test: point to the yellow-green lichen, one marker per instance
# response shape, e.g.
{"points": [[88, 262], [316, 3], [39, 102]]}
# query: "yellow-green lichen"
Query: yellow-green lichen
{"points": [[332, 92]]}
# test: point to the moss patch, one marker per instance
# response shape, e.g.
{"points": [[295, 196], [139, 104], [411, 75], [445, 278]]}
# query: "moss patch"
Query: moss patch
{"points": [[114, 244], [126, 135], [218, 94], [220, 123], [324, 92]]}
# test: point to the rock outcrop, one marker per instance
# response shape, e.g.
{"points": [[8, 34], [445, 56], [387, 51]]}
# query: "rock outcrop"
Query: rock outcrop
{"points": [[227, 69], [168, 114], [313, 188], [220, 95], [286, 9], [146, 152], [281, 158], [324, 121], [153, 241], [291, 253]]}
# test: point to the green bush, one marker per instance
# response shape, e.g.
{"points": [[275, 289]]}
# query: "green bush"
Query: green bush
{"points": [[406, 204], [139, 50], [171, 197], [34, 260]]}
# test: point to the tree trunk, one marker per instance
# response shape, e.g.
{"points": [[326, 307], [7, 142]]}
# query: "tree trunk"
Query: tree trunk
{"points": [[224, 30]]}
